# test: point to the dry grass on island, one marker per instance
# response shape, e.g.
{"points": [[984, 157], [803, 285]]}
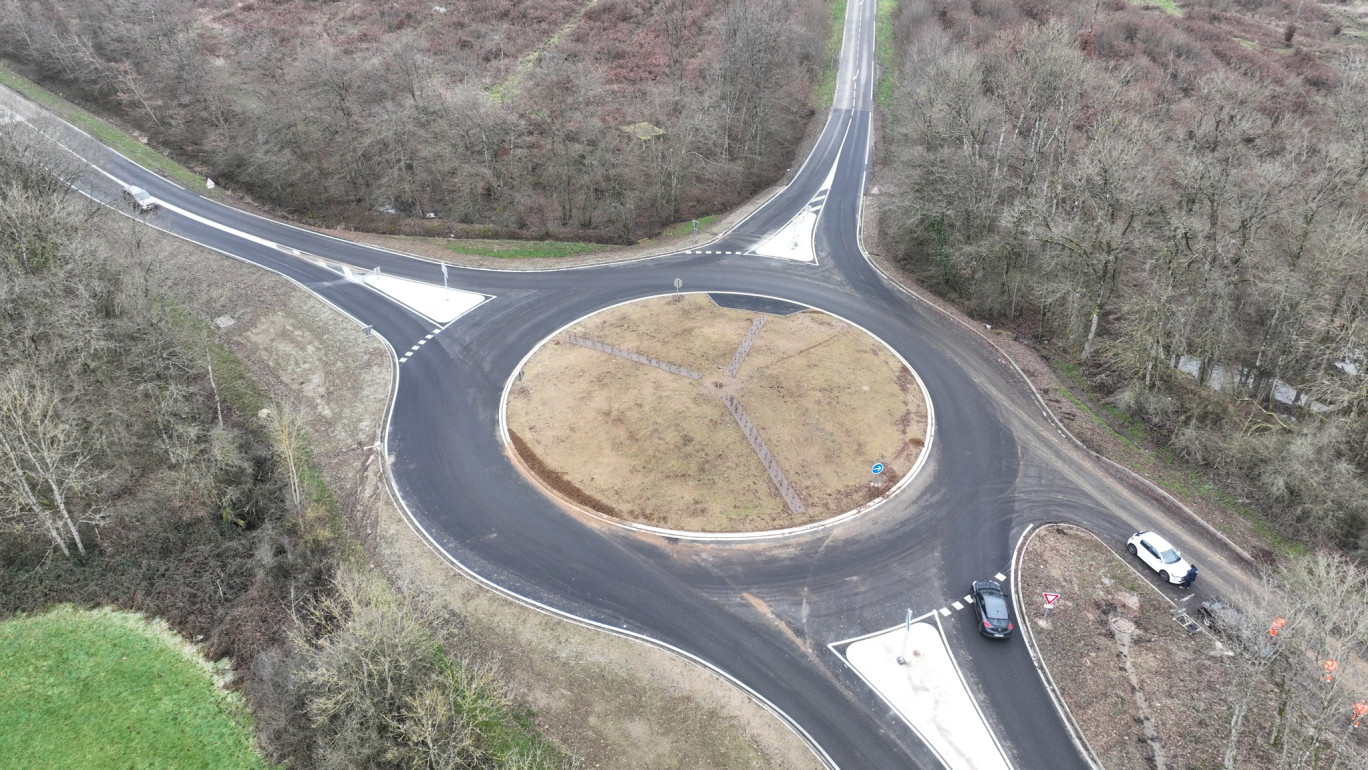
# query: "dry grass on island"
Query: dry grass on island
{"points": [[645, 445]]}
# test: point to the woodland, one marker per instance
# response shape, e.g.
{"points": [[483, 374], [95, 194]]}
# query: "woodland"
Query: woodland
{"points": [[1171, 205], [598, 121], [142, 467]]}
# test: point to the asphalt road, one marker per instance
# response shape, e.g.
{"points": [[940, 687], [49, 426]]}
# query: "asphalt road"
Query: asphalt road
{"points": [[761, 613]]}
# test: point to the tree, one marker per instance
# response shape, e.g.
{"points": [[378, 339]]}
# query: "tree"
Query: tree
{"points": [[1322, 601], [47, 462]]}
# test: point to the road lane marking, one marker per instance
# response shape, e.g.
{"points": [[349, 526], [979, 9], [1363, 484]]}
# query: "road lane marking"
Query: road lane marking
{"points": [[927, 692]]}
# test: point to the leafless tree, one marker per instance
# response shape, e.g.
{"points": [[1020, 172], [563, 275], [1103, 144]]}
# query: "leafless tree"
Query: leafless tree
{"points": [[48, 469]]}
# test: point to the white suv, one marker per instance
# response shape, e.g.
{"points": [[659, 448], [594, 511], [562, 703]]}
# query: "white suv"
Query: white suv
{"points": [[1162, 558], [141, 198]]}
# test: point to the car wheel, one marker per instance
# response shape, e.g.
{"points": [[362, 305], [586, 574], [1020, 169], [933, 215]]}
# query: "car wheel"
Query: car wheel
{"points": [[1163, 575], [1132, 549]]}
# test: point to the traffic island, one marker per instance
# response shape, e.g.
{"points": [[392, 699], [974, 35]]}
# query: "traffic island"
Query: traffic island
{"points": [[677, 413], [1142, 690]]}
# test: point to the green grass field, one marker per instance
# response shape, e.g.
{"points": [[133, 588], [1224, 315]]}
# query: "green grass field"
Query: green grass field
{"points": [[106, 689], [524, 249]]}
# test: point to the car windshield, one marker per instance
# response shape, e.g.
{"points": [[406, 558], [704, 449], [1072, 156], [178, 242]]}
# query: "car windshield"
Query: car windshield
{"points": [[1170, 556]]}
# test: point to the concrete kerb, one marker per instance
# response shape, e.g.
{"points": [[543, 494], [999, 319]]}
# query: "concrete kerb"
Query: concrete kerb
{"points": [[710, 537], [1075, 730]]}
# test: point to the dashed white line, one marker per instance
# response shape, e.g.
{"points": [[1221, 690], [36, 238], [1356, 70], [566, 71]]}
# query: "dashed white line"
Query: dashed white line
{"points": [[969, 599], [957, 606], [944, 612], [1000, 576]]}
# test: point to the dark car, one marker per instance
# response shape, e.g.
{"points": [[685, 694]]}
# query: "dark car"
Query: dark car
{"points": [[992, 609], [1218, 614]]}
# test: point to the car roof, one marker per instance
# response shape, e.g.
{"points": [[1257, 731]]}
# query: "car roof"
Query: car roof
{"points": [[1155, 540]]}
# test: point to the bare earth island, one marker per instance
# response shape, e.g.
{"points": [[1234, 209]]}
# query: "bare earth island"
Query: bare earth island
{"points": [[677, 413]]}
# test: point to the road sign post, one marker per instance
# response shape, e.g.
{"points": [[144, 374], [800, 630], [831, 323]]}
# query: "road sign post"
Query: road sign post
{"points": [[907, 631], [1050, 600], [445, 290], [678, 284]]}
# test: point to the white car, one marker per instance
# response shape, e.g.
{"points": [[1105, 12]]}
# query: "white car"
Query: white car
{"points": [[141, 199], [1162, 557]]}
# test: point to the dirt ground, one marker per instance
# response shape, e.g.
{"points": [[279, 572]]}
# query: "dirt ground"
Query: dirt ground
{"points": [[651, 446], [612, 702], [1178, 708]]}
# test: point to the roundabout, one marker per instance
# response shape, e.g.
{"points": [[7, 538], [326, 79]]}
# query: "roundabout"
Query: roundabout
{"points": [[700, 414], [758, 613]]}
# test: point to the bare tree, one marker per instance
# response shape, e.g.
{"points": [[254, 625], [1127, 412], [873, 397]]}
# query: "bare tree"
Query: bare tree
{"points": [[1318, 607], [47, 462]]}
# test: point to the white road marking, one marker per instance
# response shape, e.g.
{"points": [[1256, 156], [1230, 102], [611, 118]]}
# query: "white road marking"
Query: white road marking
{"points": [[945, 613], [1000, 576], [957, 606], [928, 692], [433, 302], [969, 599]]}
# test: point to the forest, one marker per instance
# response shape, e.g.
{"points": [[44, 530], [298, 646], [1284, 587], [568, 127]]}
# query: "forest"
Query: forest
{"points": [[518, 118], [1173, 203], [142, 467]]}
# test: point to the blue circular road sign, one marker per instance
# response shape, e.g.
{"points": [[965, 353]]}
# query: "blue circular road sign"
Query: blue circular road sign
{"points": [[878, 468]]}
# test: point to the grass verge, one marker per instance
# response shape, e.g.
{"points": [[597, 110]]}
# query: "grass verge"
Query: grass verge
{"points": [[884, 53], [524, 249], [107, 133], [824, 92], [111, 689], [684, 229]]}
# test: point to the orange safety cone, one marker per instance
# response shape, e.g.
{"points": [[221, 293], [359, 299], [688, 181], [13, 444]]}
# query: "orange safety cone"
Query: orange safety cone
{"points": [[1330, 667]]}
